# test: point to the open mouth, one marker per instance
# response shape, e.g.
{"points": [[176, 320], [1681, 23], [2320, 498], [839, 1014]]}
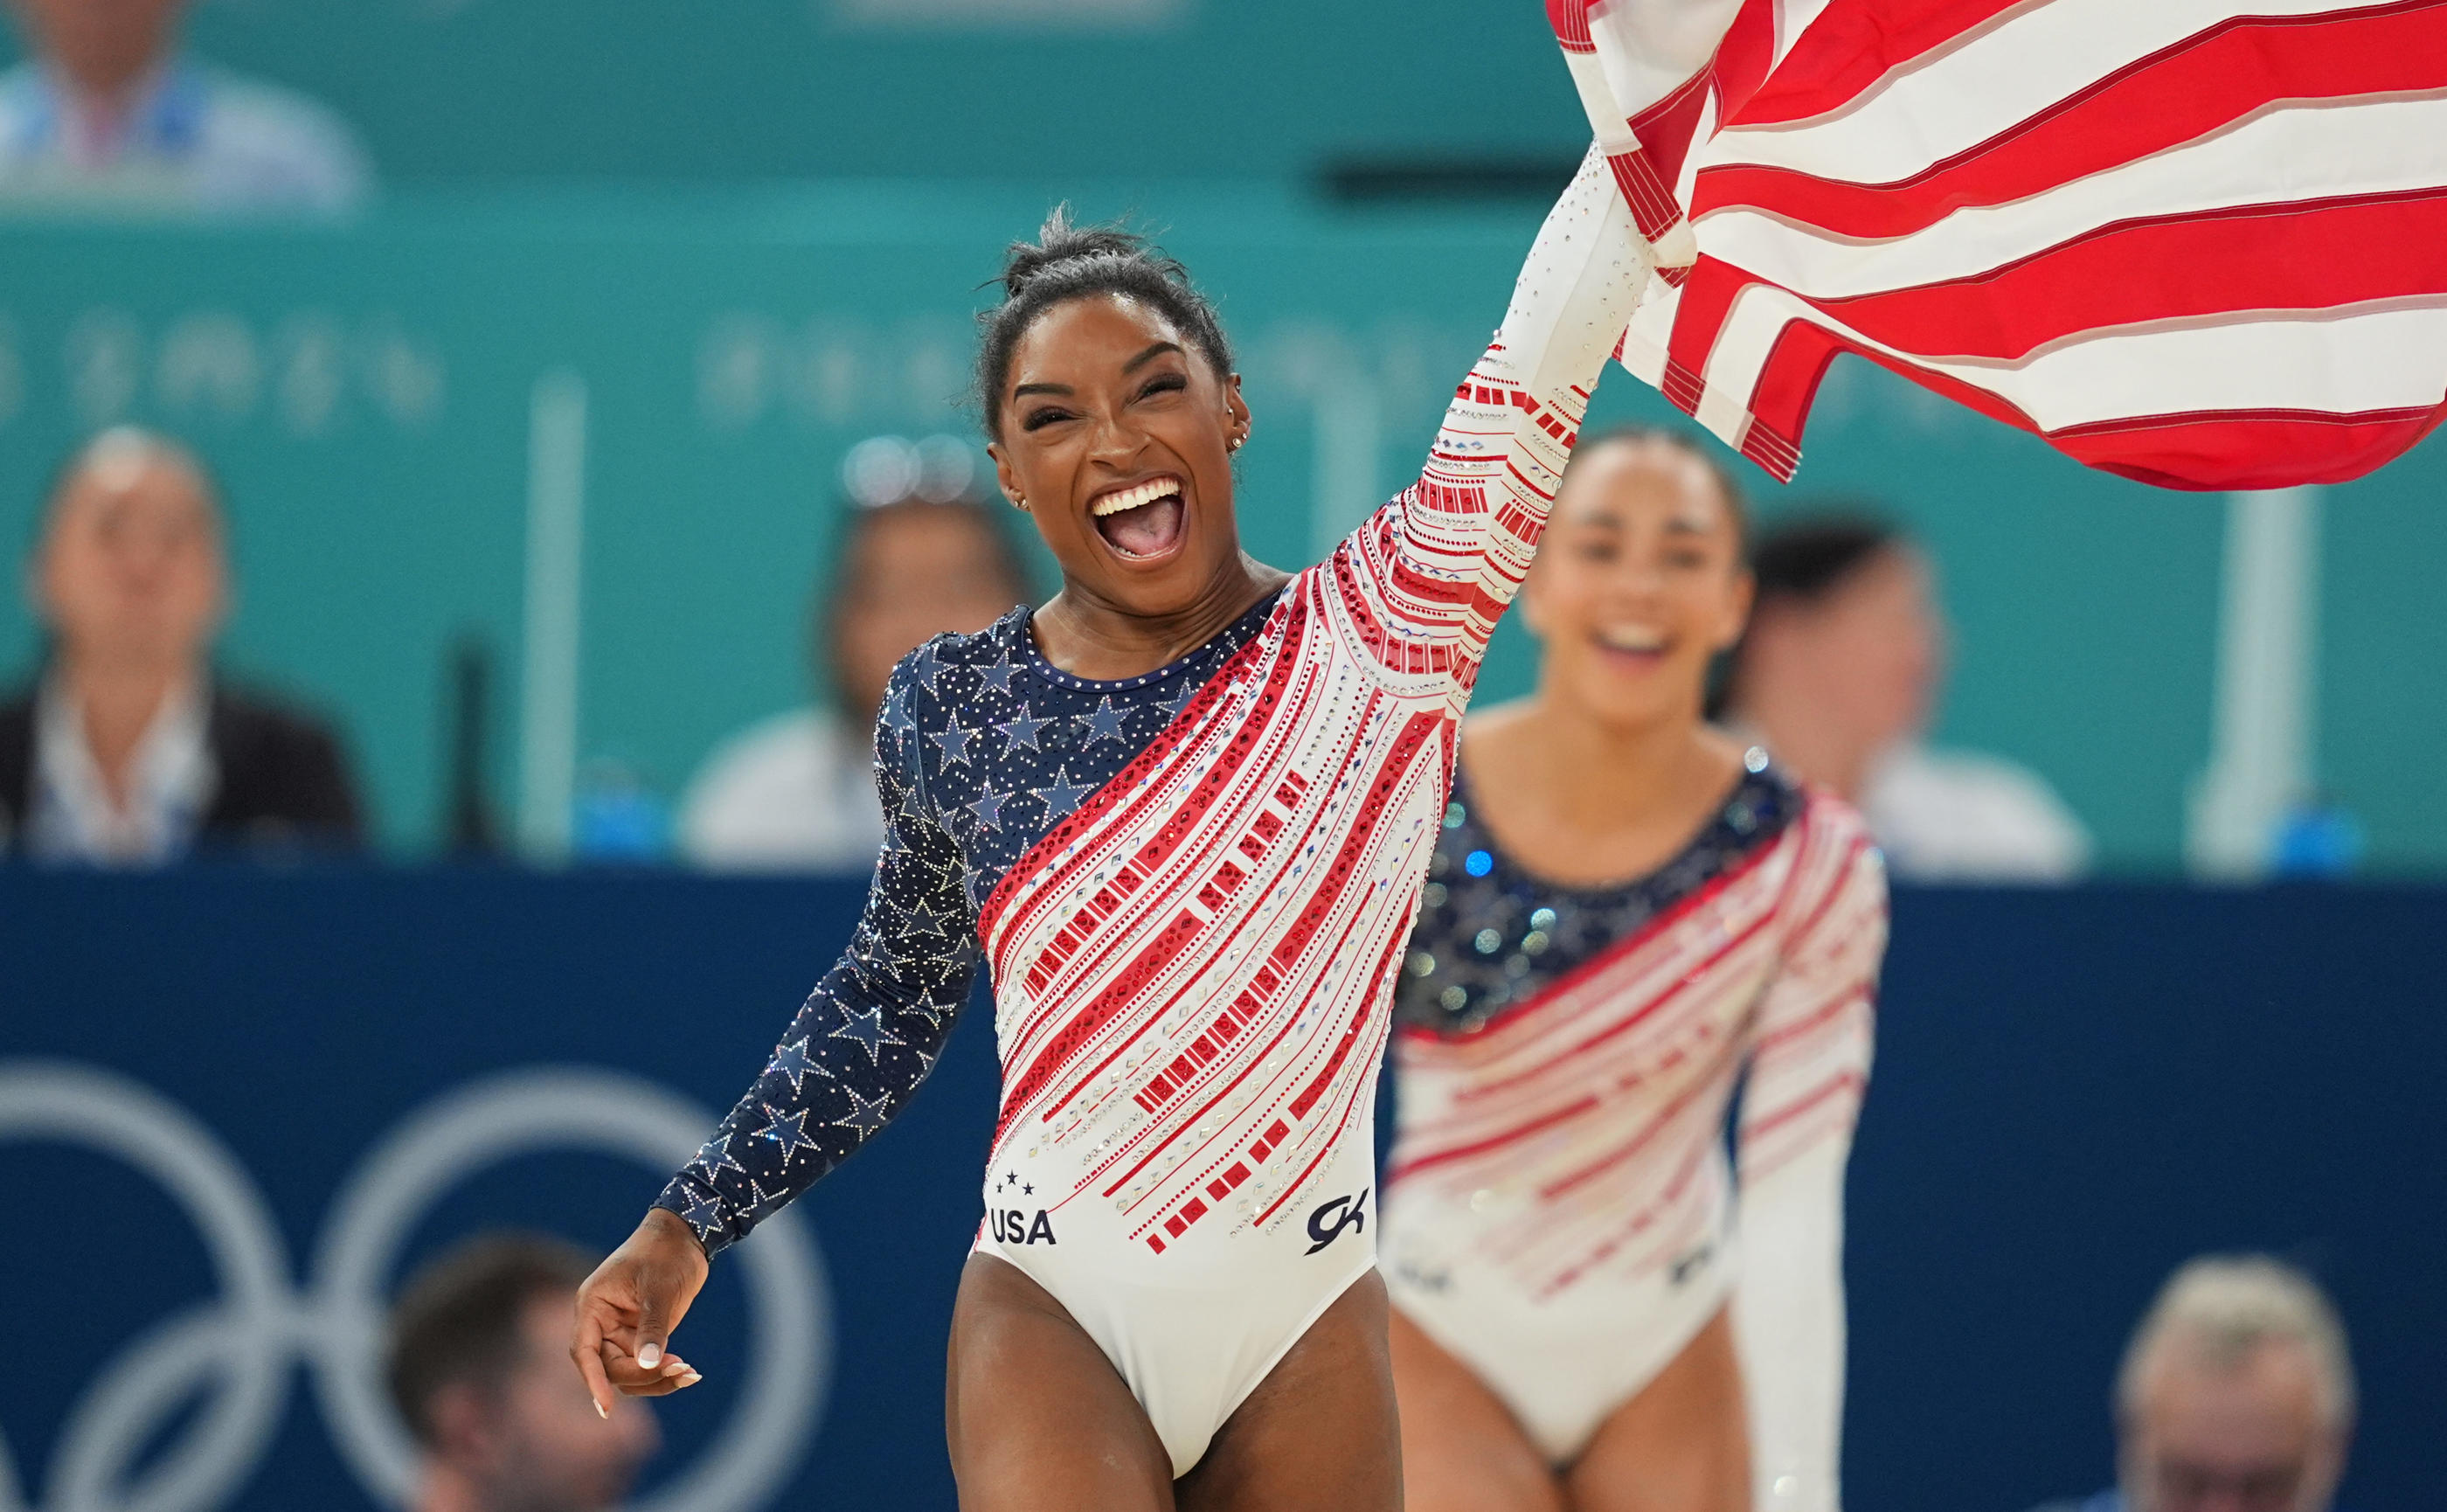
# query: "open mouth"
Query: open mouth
{"points": [[1632, 645], [1142, 521]]}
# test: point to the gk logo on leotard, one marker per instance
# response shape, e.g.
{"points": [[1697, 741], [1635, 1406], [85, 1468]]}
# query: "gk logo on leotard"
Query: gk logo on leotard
{"points": [[1326, 1224], [1012, 1226]]}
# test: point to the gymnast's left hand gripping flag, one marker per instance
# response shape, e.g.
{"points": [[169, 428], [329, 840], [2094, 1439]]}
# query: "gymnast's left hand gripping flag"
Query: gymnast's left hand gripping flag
{"points": [[2194, 243]]}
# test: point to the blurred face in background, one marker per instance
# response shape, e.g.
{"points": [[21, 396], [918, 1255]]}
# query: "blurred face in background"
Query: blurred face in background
{"points": [[1638, 583], [914, 572], [534, 1443], [104, 45], [1869, 653], [130, 575], [2232, 1436]]}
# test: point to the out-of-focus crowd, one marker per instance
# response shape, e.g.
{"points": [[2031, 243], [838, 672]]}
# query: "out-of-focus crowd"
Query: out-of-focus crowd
{"points": [[128, 745], [2236, 1392], [109, 110]]}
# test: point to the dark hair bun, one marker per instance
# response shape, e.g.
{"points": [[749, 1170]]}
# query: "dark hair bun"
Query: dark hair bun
{"points": [[1060, 241], [1070, 261]]}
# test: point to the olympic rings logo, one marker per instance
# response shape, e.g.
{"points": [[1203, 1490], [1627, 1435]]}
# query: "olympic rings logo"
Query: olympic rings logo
{"points": [[241, 1346]]}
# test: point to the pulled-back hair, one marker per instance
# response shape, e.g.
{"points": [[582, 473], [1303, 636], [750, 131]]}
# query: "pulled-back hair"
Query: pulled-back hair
{"points": [[1805, 557], [1678, 439], [1801, 560], [1068, 262]]}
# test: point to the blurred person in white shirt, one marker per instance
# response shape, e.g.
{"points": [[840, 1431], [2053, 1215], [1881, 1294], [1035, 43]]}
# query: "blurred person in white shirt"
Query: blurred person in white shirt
{"points": [[107, 111], [796, 791], [1839, 675]]}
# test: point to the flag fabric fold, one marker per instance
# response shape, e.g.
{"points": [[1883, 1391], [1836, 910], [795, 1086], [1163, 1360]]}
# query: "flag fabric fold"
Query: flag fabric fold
{"points": [[2184, 242]]}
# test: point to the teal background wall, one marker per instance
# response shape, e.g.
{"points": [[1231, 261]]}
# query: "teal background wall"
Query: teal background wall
{"points": [[365, 392], [457, 89], [604, 186]]}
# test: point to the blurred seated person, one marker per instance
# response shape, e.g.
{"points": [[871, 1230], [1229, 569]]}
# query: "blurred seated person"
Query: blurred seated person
{"points": [[2237, 1395], [479, 1369], [796, 792], [1839, 674], [107, 111], [128, 750]]}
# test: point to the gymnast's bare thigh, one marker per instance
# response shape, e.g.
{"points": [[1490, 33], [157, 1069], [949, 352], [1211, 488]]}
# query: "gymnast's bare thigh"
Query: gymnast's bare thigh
{"points": [[1039, 1421], [1681, 1445]]}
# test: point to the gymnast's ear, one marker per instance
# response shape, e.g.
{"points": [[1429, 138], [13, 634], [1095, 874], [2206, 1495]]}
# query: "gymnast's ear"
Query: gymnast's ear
{"points": [[1236, 419]]}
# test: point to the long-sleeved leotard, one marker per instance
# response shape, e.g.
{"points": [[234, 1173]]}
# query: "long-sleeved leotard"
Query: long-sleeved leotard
{"points": [[1191, 891], [1559, 1210]]}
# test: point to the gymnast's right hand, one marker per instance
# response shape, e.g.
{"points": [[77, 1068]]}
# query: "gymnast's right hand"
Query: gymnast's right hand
{"points": [[628, 1308]]}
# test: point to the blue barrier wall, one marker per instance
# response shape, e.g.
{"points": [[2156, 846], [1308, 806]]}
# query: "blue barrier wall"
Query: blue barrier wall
{"points": [[2074, 1091]]}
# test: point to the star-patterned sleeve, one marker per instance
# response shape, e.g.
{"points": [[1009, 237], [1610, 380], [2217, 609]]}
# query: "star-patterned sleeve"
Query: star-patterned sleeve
{"points": [[868, 1033]]}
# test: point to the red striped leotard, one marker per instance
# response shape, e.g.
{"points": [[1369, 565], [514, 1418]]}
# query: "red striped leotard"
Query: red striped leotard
{"points": [[1191, 892], [1560, 1213]]}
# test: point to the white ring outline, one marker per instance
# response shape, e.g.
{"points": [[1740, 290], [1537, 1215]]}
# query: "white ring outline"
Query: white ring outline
{"points": [[520, 1112], [335, 1329], [243, 1338]]}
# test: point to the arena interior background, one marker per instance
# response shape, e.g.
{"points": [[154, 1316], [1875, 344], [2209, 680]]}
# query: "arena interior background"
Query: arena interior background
{"points": [[740, 241], [620, 192]]}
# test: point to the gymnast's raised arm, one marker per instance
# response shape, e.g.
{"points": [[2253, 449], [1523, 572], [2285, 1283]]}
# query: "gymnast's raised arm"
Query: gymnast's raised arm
{"points": [[1439, 563]]}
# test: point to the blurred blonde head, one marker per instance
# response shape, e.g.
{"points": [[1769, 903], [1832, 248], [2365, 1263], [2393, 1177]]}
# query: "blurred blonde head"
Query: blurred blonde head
{"points": [[130, 573]]}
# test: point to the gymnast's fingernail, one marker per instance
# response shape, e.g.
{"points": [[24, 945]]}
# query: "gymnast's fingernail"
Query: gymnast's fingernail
{"points": [[690, 1379], [650, 1355], [674, 1367], [602, 1411]]}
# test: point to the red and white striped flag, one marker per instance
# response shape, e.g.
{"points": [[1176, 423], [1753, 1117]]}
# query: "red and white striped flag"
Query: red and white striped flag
{"points": [[2188, 242]]}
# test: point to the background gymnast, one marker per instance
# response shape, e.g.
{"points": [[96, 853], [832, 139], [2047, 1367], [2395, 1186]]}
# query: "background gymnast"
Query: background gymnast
{"points": [[1182, 814], [1627, 912]]}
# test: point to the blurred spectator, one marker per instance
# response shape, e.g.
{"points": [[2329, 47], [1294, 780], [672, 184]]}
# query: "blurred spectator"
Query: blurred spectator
{"points": [[2237, 1395], [107, 111], [1839, 675], [127, 749], [479, 1370], [797, 791]]}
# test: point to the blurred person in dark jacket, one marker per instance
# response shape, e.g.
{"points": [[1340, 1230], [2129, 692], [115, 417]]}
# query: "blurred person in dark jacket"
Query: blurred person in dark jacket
{"points": [[108, 111], [478, 1370], [128, 750], [921, 555], [2237, 1395], [1839, 675]]}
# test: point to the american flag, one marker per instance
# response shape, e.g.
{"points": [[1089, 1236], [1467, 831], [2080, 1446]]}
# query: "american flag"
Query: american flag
{"points": [[2184, 242]]}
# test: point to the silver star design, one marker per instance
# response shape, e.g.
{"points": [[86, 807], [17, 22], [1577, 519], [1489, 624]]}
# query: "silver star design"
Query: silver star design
{"points": [[1103, 722], [1022, 730], [1062, 795], [791, 1061], [790, 1132], [717, 1159], [988, 808], [868, 1030], [863, 1116], [954, 741], [895, 712]]}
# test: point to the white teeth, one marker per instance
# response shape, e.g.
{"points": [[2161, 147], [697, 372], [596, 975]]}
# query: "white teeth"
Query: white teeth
{"points": [[1133, 498], [1632, 638]]}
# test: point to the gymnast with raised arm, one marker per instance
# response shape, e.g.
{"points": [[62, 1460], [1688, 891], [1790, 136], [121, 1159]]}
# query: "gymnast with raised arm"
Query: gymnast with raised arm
{"points": [[1181, 815]]}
